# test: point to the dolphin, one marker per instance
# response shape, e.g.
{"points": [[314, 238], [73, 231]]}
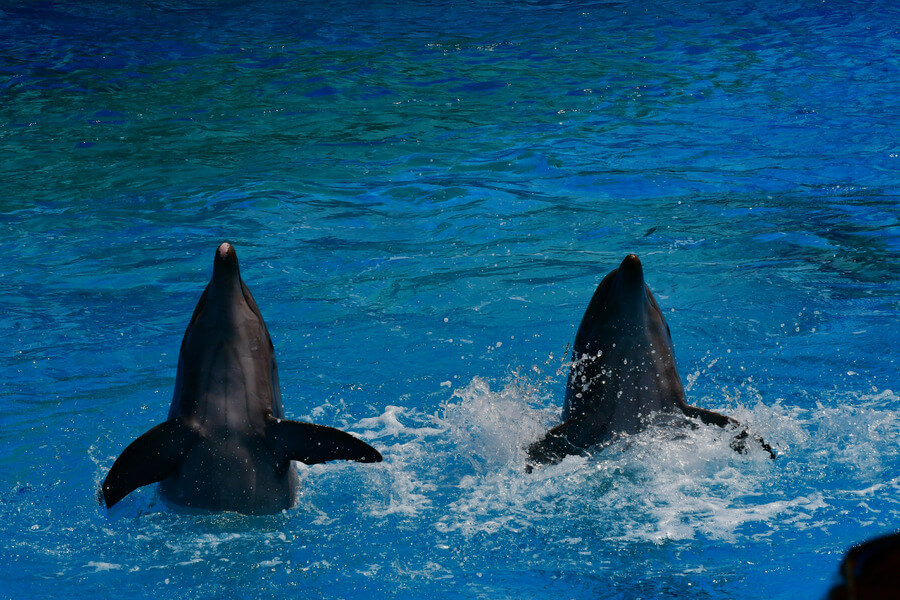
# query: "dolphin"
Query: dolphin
{"points": [[870, 571], [226, 445], [623, 372]]}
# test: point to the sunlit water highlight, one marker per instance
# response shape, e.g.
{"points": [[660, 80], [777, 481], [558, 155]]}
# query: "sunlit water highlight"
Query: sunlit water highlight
{"points": [[423, 198]]}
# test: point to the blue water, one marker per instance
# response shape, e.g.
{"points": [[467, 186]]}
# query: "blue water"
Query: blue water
{"points": [[423, 197]]}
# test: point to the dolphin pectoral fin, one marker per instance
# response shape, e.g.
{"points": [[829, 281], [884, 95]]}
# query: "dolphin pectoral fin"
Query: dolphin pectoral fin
{"points": [[558, 443], [312, 444], [710, 417], [739, 443], [148, 459]]}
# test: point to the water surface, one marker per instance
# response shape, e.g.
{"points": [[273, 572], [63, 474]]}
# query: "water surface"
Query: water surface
{"points": [[423, 197]]}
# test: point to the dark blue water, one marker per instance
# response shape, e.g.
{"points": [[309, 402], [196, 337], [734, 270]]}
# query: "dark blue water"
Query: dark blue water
{"points": [[423, 197]]}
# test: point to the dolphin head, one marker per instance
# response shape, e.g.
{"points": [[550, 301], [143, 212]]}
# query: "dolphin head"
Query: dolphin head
{"points": [[226, 278], [226, 343], [623, 355], [623, 298], [227, 294], [622, 312]]}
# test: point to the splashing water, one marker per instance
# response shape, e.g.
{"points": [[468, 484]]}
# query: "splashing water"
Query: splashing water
{"points": [[423, 201]]}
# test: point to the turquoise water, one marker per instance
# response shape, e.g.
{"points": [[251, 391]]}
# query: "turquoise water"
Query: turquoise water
{"points": [[423, 197]]}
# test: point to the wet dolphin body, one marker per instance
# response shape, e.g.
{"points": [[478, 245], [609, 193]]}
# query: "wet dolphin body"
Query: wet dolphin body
{"points": [[623, 372], [226, 444]]}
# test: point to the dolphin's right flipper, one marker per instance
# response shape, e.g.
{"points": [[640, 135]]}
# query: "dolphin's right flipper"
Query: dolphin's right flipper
{"points": [[148, 459], [739, 443], [313, 444]]}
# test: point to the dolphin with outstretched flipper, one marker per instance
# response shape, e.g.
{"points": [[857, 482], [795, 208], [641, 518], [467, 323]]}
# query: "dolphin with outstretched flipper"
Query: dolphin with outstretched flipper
{"points": [[226, 445], [623, 373]]}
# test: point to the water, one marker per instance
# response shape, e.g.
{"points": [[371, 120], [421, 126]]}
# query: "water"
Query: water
{"points": [[423, 197]]}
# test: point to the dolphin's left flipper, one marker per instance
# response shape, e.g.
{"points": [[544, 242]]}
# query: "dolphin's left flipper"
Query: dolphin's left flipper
{"points": [[148, 459], [552, 448], [574, 436], [312, 444], [739, 443]]}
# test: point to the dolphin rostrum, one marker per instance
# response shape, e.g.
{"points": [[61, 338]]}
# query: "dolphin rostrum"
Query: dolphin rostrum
{"points": [[226, 444], [623, 372]]}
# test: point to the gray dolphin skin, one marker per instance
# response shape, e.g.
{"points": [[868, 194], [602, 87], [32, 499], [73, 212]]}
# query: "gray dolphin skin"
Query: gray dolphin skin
{"points": [[870, 571], [226, 445], [623, 372]]}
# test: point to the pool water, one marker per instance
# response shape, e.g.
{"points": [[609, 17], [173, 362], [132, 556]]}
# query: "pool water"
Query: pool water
{"points": [[423, 197]]}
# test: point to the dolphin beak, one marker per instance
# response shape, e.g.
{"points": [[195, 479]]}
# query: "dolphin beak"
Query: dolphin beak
{"points": [[631, 273], [225, 265]]}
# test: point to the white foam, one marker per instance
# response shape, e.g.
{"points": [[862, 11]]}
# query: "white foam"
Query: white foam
{"points": [[103, 566], [459, 472], [490, 428], [388, 424], [463, 468]]}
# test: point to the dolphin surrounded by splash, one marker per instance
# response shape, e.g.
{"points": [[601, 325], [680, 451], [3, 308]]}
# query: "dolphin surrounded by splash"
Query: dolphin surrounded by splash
{"points": [[623, 375], [226, 445]]}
